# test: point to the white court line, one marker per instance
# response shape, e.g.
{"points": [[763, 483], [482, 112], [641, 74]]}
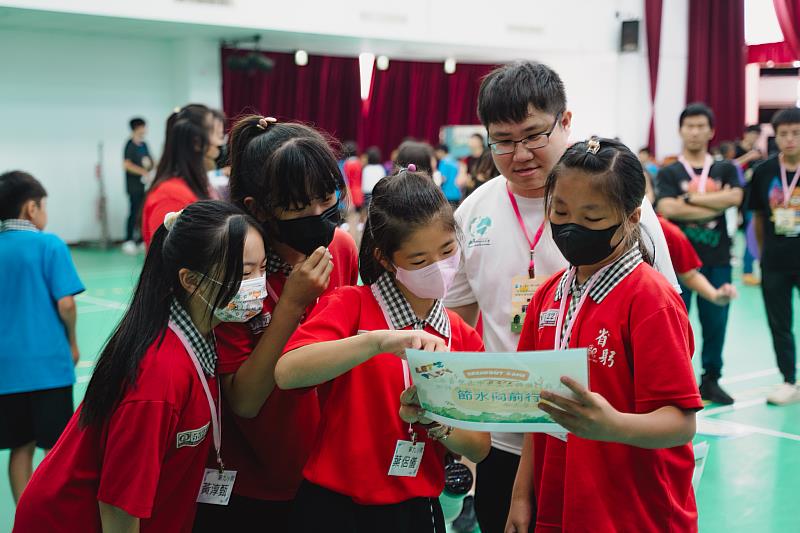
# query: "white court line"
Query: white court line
{"points": [[84, 379], [85, 364], [751, 375], [102, 302], [763, 431], [738, 406]]}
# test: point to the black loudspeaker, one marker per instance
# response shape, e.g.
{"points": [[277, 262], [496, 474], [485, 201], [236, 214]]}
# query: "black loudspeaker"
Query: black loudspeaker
{"points": [[629, 36]]}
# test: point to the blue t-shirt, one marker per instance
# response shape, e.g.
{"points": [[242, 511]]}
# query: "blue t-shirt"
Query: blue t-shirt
{"points": [[36, 271], [449, 171]]}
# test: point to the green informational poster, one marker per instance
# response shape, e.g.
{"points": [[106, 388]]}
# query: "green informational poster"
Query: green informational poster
{"points": [[498, 392]]}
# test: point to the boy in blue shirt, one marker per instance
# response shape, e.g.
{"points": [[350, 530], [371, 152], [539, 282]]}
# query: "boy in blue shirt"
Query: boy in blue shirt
{"points": [[38, 349]]}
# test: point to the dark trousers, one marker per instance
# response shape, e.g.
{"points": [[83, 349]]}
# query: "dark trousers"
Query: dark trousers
{"points": [[136, 200], [318, 509], [713, 319], [777, 289], [493, 486], [243, 515]]}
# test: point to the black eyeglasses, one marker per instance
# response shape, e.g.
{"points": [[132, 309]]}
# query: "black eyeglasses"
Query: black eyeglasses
{"points": [[533, 142]]}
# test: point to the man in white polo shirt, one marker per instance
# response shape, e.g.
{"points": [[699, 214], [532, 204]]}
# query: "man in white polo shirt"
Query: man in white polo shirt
{"points": [[506, 242]]}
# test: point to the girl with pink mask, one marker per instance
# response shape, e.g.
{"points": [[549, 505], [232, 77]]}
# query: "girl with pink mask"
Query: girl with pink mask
{"points": [[377, 464]]}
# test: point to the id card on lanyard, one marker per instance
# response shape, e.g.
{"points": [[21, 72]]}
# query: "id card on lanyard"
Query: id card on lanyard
{"points": [[787, 222], [701, 181], [523, 287], [217, 484], [407, 455]]}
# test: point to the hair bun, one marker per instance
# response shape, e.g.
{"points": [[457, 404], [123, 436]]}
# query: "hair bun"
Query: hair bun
{"points": [[170, 219]]}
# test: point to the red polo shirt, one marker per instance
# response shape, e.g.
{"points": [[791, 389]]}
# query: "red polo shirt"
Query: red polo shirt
{"points": [[684, 257], [170, 195], [136, 461], [270, 450], [640, 346], [360, 424]]}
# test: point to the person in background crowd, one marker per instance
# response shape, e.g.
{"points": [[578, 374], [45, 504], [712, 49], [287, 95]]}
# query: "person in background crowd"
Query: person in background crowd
{"points": [[138, 164], [371, 174], [647, 160], [694, 193], [747, 154], [775, 201], [448, 169]]}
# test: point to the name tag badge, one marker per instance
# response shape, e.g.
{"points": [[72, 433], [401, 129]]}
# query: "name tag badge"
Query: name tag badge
{"points": [[522, 290], [786, 221], [548, 318], [217, 487], [407, 458]]}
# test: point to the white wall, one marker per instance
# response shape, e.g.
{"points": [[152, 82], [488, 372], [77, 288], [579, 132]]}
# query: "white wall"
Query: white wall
{"points": [[671, 91], [62, 93]]}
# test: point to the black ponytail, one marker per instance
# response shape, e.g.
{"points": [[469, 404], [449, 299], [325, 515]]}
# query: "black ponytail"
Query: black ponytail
{"points": [[281, 165], [400, 204], [207, 238], [617, 172]]}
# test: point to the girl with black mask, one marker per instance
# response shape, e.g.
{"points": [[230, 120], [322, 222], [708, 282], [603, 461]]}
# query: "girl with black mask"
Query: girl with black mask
{"points": [[630, 435], [286, 176]]}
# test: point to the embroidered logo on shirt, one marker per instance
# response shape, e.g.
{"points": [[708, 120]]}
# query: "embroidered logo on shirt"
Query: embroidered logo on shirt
{"points": [[192, 437], [478, 228], [548, 318], [606, 357]]}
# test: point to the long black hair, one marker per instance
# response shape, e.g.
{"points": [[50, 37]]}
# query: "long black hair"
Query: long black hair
{"points": [[184, 156], [284, 165], [400, 205], [616, 172], [207, 238]]}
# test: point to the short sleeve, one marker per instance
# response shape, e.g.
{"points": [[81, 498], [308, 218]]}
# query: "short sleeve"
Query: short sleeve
{"points": [[335, 317], [730, 176], [62, 278], [235, 343], [667, 184], [662, 344], [460, 291], [684, 257], [139, 435], [656, 243], [130, 152]]}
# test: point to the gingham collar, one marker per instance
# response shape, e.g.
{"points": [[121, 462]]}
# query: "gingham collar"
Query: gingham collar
{"points": [[17, 224], [401, 314], [276, 264], [609, 279], [204, 349]]}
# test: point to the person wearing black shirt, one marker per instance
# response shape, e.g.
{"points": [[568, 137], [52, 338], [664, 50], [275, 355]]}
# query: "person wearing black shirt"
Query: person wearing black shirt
{"points": [[775, 200], [694, 193], [137, 164]]}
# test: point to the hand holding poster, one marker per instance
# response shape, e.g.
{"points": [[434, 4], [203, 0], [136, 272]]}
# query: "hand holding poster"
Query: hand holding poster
{"points": [[494, 391]]}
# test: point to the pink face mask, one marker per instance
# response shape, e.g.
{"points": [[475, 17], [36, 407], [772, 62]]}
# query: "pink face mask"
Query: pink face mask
{"points": [[432, 281]]}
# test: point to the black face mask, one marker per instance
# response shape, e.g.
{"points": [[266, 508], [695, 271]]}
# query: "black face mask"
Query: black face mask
{"points": [[583, 246], [309, 233]]}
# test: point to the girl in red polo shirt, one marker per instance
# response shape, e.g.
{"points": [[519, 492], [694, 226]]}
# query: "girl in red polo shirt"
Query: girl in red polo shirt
{"points": [[627, 462], [181, 177], [287, 177], [352, 345], [133, 456]]}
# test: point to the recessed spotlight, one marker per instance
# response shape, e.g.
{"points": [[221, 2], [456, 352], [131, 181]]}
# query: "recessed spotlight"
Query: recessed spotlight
{"points": [[301, 58]]}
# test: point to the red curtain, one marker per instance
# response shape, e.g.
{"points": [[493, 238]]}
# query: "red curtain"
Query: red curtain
{"points": [[652, 18], [410, 99], [777, 52], [324, 93], [416, 98], [788, 12], [717, 60]]}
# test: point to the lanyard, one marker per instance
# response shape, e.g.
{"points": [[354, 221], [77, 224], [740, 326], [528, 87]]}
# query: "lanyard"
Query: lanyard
{"points": [[272, 294], [531, 243], [406, 371], [703, 177], [216, 414], [788, 189], [562, 342]]}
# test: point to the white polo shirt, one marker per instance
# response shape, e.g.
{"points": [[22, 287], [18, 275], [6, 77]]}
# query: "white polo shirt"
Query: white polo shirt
{"points": [[494, 251]]}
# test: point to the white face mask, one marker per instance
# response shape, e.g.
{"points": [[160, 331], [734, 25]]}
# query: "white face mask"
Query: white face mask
{"points": [[247, 303], [432, 281]]}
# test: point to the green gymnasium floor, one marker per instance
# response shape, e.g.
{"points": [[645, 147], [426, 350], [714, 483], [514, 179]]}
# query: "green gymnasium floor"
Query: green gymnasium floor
{"points": [[753, 469]]}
